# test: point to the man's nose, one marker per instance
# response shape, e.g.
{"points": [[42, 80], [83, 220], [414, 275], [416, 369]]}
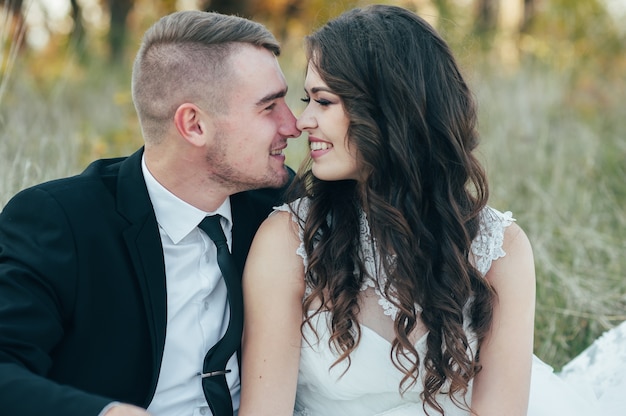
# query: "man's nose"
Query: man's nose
{"points": [[289, 126]]}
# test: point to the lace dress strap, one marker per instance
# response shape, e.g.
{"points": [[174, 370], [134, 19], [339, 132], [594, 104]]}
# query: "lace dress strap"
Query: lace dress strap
{"points": [[487, 246], [299, 210]]}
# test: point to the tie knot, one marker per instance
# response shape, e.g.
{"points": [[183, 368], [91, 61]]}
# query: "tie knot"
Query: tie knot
{"points": [[211, 225]]}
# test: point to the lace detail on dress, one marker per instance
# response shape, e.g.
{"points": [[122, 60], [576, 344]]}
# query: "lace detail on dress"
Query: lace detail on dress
{"points": [[303, 412], [486, 247], [375, 278], [298, 215]]}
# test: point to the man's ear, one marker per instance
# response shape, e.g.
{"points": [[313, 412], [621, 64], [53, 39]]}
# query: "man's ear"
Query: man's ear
{"points": [[192, 123]]}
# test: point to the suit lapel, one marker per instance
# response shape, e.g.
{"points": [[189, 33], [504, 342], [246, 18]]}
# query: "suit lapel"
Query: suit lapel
{"points": [[143, 241]]}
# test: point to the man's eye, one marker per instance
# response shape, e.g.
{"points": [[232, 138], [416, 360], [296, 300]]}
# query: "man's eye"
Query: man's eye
{"points": [[271, 106]]}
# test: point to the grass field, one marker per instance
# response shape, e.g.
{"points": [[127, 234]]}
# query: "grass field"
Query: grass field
{"points": [[553, 143]]}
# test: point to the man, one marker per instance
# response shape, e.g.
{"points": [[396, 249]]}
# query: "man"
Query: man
{"points": [[110, 294]]}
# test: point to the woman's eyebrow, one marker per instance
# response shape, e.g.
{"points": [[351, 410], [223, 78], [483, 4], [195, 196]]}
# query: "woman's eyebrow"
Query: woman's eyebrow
{"points": [[318, 89]]}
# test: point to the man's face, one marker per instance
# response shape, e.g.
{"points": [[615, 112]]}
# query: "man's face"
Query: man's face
{"points": [[247, 150]]}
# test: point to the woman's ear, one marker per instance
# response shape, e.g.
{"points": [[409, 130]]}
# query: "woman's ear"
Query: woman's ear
{"points": [[193, 124]]}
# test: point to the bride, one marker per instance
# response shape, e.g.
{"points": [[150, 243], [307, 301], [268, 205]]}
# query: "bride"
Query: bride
{"points": [[388, 286]]}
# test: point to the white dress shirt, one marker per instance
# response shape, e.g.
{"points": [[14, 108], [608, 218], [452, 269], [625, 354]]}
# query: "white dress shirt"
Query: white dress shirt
{"points": [[197, 306]]}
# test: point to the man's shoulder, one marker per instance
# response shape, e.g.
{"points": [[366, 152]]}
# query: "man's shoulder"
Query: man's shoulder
{"points": [[104, 167], [99, 177], [96, 171]]}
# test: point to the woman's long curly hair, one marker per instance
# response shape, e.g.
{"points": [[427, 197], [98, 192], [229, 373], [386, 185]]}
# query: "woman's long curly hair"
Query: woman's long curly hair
{"points": [[413, 124]]}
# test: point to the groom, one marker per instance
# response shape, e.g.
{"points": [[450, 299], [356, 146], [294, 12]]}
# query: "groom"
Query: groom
{"points": [[110, 294]]}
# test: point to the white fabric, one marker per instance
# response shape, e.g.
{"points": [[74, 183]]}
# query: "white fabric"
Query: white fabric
{"points": [[369, 387], [197, 305], [602, 366]]}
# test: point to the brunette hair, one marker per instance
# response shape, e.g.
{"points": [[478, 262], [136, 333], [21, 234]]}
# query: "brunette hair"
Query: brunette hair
{"points": [[413, 123], [184, 57]]}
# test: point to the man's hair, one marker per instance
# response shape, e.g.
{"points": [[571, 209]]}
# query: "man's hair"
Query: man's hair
{"points": [[184, 57]]}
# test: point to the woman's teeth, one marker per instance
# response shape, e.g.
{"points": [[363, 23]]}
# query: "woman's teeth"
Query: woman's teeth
{"points": [[320, 145]]}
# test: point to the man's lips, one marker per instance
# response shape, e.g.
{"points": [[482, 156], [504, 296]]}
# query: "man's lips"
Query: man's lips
{"points": [[278, 150]]}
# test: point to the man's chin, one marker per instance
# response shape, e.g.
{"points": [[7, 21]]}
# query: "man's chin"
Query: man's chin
{"points": [[276, 180], [280, 180]]}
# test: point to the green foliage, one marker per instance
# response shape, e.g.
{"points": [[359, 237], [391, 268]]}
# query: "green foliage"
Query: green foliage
{"points": [[578, 33]]}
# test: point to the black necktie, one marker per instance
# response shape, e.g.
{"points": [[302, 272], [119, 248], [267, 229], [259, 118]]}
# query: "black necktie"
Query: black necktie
{"points": [[214, 369]]}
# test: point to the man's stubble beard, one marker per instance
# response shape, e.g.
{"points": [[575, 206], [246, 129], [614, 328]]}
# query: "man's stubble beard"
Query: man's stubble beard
{"points": [[237, 180]]}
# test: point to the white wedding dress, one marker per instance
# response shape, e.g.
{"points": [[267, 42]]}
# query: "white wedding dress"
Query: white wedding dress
{"points": [[370, 385]]}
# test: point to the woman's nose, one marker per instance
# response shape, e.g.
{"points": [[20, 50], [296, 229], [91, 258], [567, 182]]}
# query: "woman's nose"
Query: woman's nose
{"points": [[305, 120]]}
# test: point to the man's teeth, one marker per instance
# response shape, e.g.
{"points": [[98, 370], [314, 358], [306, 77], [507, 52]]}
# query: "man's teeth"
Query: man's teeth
{"points": [[276, 152], [320, 145]]}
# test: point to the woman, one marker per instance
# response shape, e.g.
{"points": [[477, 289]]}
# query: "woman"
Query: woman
{"points": [[389, 286]]}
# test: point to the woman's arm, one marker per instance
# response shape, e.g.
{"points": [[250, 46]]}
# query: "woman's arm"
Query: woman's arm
{"points": [[273, 287], [502, 387]]}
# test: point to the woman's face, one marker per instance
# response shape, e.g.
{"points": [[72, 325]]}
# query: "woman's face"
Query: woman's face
{"points": [[326, 123]]}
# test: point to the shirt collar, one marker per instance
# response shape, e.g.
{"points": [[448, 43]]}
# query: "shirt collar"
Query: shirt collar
{"points": [[175, 216]]}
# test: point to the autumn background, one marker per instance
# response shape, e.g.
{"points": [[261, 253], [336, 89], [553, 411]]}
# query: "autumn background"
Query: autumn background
{"points": [[549, 77]]}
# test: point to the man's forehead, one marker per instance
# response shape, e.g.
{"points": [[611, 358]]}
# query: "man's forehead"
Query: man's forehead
{"points": [[257, 73]]}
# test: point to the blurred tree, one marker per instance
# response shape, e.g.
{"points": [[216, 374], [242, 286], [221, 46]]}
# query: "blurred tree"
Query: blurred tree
{"points": [[12, 35], [14, 6], [555, 30], [486, 18], [118, 12], [280, 15], [238, 7], [77, 36], [579, 34], [530, 8], [13, 18]]}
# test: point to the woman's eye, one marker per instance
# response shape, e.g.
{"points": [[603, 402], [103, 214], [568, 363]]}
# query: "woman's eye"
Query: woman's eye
{"points": [[320, 101]]}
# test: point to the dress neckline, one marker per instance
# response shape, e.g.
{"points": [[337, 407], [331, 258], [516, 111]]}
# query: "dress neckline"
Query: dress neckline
{"points": [[365, 328]]}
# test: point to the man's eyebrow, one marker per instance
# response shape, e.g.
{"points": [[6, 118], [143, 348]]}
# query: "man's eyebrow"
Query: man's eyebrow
{"points": [[271, 97]]}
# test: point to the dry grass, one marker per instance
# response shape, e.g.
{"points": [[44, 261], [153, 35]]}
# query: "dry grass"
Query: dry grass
{"points": [[553, 145], [555, 150]]}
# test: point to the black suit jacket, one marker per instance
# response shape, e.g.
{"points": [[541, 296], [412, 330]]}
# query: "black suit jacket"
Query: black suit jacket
{"points": [[82, 289]]}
